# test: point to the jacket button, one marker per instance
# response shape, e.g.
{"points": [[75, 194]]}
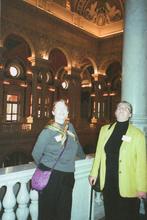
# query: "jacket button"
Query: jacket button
{"points": [[119, 172]]}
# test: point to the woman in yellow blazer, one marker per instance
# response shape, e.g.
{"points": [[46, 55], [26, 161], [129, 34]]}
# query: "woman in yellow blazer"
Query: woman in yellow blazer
{"points": [[122, 157]]}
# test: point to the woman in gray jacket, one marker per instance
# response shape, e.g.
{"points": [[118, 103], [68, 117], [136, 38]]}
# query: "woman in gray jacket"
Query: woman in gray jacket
{"points": [[55, 200]]}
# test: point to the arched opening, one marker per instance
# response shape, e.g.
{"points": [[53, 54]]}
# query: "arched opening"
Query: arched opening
{"points": [[57, 59], [58, 62], [16, 47], [15, 82]]}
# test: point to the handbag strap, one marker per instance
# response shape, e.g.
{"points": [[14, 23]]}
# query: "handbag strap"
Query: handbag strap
{"points": [[52, 168], [55, 127], [64, 145], [59, 157]]}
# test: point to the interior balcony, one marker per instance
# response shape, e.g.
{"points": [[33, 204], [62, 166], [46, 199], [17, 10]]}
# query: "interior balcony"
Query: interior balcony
{"points": [[19, 201]]}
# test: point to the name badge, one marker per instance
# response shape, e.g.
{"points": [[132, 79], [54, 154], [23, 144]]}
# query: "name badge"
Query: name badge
{"points": [[126, 138], [58, 138]]}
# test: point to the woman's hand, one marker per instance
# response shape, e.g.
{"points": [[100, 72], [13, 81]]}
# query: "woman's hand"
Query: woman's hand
{"points": [[89, 156], [141, 195], [92, 180]]}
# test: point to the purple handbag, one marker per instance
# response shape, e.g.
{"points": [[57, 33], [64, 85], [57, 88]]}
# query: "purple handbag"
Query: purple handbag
{"points": [[40, 177]]}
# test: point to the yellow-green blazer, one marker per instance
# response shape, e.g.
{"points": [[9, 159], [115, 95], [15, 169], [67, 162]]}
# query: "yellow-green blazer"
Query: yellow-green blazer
{"points": [[132, 161]]}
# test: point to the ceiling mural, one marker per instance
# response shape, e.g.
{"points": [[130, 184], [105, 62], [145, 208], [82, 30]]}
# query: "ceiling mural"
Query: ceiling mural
{"points": [[100, 12]]}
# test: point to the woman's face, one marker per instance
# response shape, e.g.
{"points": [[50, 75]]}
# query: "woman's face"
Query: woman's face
{"points": [[60, 112], [122, 112]]}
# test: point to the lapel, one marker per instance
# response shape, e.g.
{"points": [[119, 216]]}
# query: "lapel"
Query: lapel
{"points": [[108, 132]]}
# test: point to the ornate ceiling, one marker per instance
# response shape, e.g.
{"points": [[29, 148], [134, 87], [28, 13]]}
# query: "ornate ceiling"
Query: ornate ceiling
{"points": [[100, 12], [98, 17]]}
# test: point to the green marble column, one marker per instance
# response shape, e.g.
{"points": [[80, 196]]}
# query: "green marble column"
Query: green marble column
{"points": [[134, 70]]}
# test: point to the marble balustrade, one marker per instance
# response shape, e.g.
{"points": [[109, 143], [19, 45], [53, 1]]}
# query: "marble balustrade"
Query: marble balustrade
{"points": [[18, 201]]}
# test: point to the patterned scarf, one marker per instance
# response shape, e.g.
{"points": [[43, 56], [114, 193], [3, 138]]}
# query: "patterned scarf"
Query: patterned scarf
{"points": [[63, 131]]}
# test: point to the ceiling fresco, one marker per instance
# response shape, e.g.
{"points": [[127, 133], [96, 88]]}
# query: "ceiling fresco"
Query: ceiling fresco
{"points": [[100, 12]]}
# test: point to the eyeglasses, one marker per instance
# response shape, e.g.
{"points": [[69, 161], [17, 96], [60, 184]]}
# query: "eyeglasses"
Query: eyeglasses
{"points": [[123, 108]]}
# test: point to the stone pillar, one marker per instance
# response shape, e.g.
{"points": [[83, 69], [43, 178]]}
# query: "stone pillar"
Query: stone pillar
{"points": [[43, 94], [94, 102], [134, 74], [75, 95], [27, 99], [40, 66], [2, 62], [34, 93], [1, 100]]}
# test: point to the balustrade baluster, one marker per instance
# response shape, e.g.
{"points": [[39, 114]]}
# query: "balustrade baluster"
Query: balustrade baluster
{"points": [[16, 180], [34, 204], [9, 202], [23, 198]]}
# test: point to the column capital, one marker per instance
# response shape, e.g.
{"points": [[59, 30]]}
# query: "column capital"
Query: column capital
{"points": [[38, 62], [75, 73]]}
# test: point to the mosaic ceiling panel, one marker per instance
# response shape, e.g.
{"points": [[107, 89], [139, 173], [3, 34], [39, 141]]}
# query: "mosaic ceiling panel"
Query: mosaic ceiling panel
{"points": [[100, 12]]}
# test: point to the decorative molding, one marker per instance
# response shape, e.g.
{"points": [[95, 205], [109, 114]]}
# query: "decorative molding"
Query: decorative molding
{"points": [[80, 22]]}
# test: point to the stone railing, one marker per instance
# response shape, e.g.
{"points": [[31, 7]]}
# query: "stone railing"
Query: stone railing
{"points": [[18, 201]]}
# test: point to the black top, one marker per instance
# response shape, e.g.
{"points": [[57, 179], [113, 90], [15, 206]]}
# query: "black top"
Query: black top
{"points": [[112, 148]]}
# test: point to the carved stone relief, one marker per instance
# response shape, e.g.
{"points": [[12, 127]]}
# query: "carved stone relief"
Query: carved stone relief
{"points": [[43, 46], [100, 12]]}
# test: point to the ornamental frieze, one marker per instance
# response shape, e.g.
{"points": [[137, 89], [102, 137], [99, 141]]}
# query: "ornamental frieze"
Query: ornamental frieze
{"points": [[100, 12]]}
